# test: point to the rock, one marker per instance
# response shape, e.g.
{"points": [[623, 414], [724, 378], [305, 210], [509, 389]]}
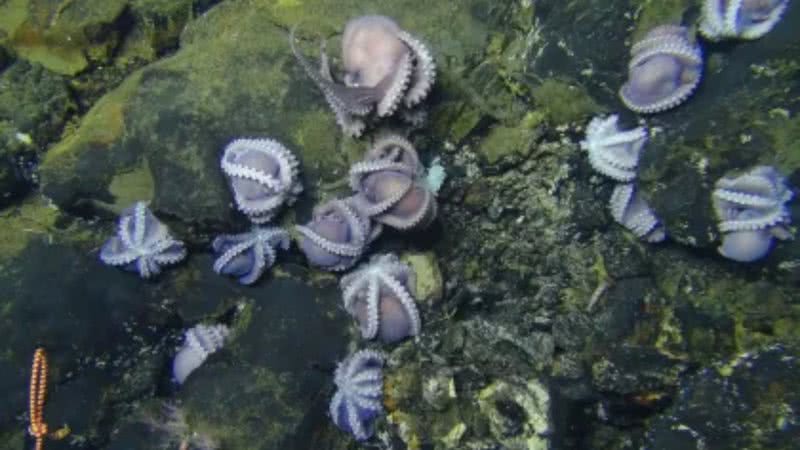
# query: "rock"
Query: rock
{"points": [[62, 36], [233, 76], [429, 286], [751, 401], [34, 106], [262, 387], [518, 414]]}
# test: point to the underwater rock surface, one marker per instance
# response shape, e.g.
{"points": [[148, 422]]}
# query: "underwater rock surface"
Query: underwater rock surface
{"points": [[546, 324], [751, 401]]}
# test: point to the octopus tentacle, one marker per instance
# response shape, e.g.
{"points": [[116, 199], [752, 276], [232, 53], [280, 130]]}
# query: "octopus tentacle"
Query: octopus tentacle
{"points": [[373, 209], [395, 148], [351, 100], [630, 210], [383, 302], [344, 253], [372, 298], [613, 152], [142, 243], [346, 102], [397, 87], [263, 174], [664, 70], [409, 305], [332, 247], [424, 70], [423, 214], [258, 248], [360, 170]]}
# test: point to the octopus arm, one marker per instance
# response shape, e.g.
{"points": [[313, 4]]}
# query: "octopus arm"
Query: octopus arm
{"points": [[424, 70], [373, 300], [395, 86], [115, 253], [409, 305], [342, 99]]}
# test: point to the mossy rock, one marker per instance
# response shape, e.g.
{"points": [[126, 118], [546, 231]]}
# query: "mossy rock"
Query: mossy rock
{"points": [[505, 145], [234, 76], [259, 390], [62, 36], [34, 101], [564, 102]]}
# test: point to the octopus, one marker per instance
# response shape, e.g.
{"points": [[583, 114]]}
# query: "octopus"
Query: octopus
{"points": [[664, 70], [336, 236], [199, 342], [612, 152], [142, 244], [391, 187], [247, 255], [385, 69], [379, 295], [751, 209], [744, 19], [359, 395], [263, 176], [632, 211]]}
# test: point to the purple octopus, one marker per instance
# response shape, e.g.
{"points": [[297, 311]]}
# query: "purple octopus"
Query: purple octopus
{"points": [[247, 255], [664, 70], [359, 395], [263, 176], [391, 187], [142, 243], [630, 209], [379, 295], [337, 235], [745, 19], [751, 209], [385, 68]]}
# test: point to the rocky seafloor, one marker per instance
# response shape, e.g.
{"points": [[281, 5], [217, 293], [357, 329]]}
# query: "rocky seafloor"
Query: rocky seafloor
{"points": [[106, 102]]}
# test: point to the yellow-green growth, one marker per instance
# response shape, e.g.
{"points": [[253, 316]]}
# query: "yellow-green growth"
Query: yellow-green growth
{"points": [[564, 101], [132, 186], [102, 126], [652, 13], [33, 219], [519, 139], [429, 285], [60, 35]]}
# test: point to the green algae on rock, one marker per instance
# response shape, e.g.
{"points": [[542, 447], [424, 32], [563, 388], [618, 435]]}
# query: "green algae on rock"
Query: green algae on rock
{"points": [[429, 286], [232, 75], [564, 102], [652, 13], [62, 36], [512, 143]]}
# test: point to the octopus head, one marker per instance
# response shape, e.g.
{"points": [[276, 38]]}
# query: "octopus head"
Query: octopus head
{"points": [[385, 68], [658, 78], [250, 189], [371, 51], [412, 204], [336, 236], [664, 70], [330, 227], [395, 323], [746, 245]]}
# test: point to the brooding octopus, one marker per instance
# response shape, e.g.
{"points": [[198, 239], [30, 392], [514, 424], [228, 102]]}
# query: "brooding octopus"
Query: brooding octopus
{"points": [[745, 19], [751, 209], [385, 69], [390, 185], [665, 68]]}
